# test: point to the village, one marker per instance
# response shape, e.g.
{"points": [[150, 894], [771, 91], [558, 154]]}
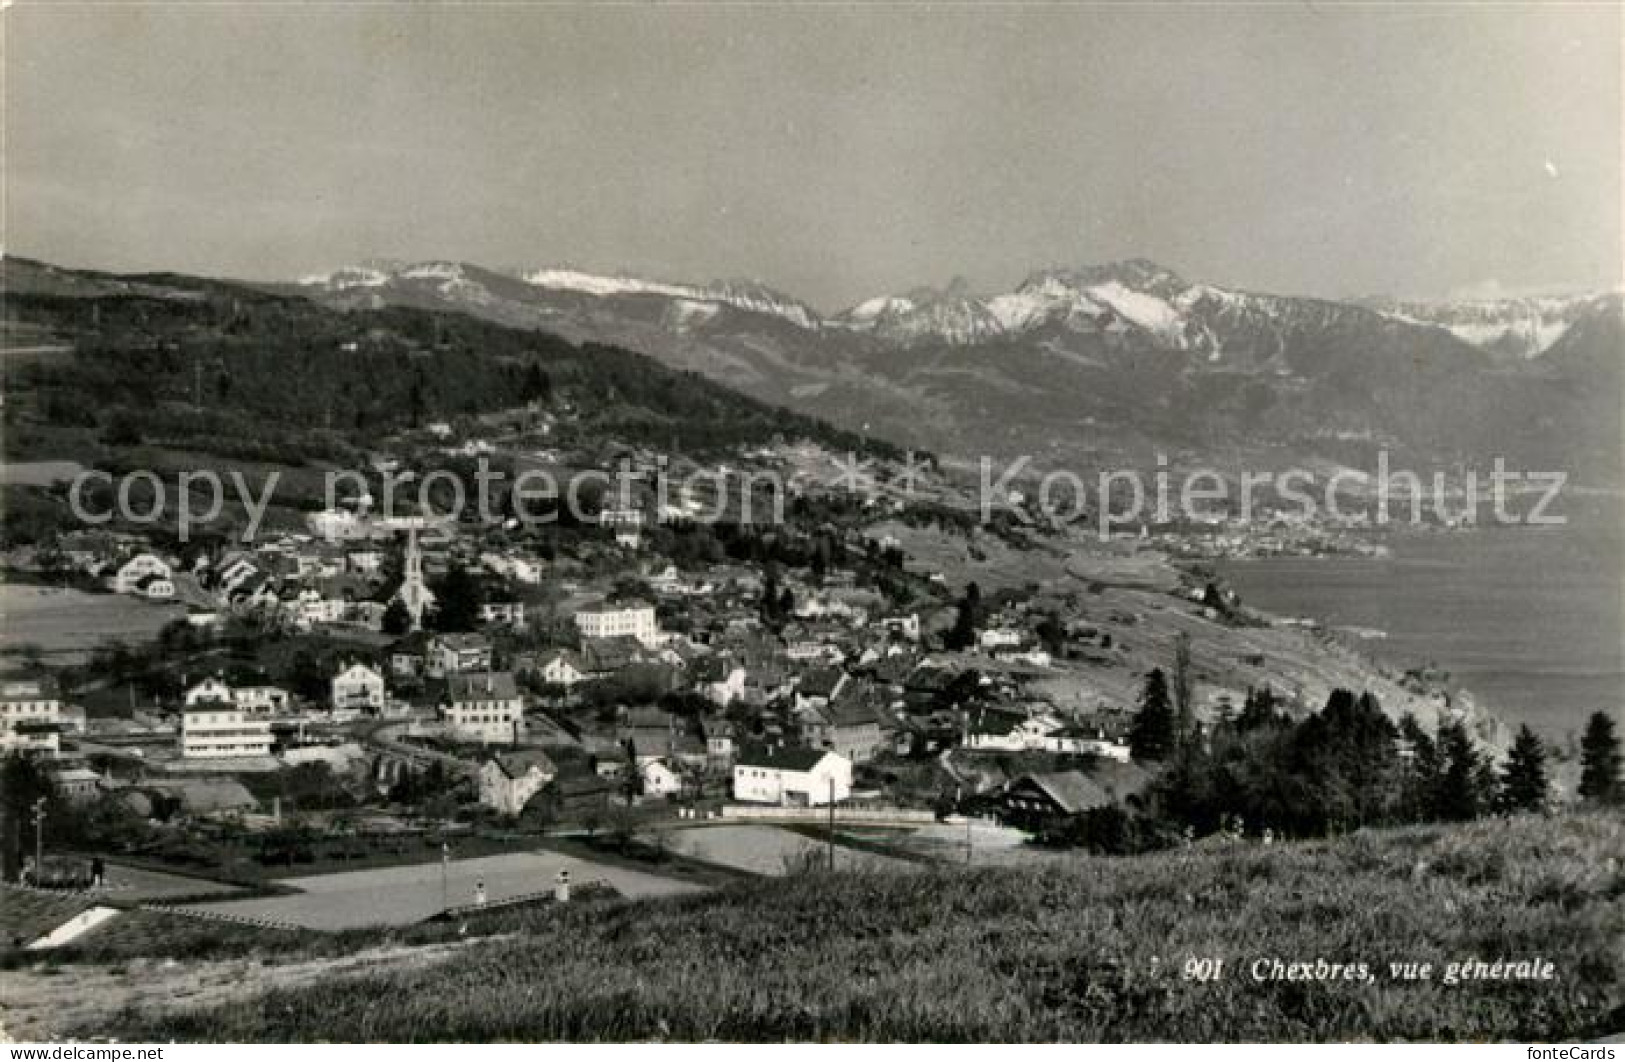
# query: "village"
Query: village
{"points": [[634, 672]]}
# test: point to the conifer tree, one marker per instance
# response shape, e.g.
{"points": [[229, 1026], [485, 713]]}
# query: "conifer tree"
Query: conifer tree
{"points": [[1458, 796], [1151, 737], [1523, 779], [1600, 761]]}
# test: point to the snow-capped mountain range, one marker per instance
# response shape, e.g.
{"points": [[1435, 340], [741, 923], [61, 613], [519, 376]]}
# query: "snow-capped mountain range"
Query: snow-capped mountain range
{"points": [[1134, 296], [1524, 327], [1097, 362]]}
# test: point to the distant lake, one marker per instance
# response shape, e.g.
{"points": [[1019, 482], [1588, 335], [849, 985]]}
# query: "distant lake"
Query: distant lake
{"points": [[1530, 620]]}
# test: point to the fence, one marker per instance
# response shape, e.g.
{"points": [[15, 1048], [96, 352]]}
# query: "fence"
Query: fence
{"points": [[221, 916], [867, 816]]}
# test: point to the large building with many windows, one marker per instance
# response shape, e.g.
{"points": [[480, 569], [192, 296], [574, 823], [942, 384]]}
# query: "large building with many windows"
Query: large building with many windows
{"points": [[219, 731], [485, 707], [30, 715], [616, 621]]}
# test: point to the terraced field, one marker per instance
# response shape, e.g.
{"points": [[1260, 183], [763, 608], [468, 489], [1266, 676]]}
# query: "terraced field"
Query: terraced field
{"points": [[401, 895], [771, 851]]}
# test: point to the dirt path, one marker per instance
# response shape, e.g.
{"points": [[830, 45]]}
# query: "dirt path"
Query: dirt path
{"points": [[75, 1000]]}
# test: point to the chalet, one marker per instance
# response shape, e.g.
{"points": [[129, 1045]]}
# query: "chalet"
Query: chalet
{"points": [[791, 777], [1034, 800], [129, 577], [508, 780], [359, 687], [209, 690]]}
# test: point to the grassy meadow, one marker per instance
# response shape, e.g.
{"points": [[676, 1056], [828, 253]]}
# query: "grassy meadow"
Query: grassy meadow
{"points": [[1084, 949]]}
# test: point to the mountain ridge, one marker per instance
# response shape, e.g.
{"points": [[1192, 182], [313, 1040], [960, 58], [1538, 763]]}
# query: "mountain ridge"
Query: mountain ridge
{"points": [[1099, 365], [1130, 293]]}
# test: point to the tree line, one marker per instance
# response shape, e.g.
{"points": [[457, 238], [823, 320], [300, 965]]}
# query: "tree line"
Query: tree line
{"points": [[1345, 767]]}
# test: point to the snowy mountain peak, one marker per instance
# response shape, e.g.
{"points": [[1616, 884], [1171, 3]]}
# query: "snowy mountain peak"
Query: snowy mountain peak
{"points": [[1520, 327]]}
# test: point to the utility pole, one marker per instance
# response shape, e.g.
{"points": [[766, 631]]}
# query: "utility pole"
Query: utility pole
{"points": [[832, 823], [39, 840], [959, 802], [445, 869]]}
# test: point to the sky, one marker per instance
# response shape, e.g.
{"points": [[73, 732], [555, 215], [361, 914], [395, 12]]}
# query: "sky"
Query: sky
{"points": [[836, 152]]}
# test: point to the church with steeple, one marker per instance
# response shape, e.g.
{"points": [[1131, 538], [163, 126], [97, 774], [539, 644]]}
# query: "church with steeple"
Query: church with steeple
{"points": [[414, 594]]}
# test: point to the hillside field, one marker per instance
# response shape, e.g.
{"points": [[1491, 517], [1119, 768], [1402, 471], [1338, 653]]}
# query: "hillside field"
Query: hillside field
{"points": [[1076, 950]]}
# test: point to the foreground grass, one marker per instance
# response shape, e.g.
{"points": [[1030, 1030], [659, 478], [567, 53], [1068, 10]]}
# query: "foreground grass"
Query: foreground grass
{"points": [[1086, 950]]}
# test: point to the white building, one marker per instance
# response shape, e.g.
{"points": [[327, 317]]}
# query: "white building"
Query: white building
{"points": [[659, 780], [220, 731], [248, 698], [508, 780], [563, 668], [503, 613], [484, 707], [342, 525], [30, 716], [607, 621], [451, 654], [907, 625], [997, 637], [791, 777], [261, 698], [522, 569], [359, 688], [133, 573]]}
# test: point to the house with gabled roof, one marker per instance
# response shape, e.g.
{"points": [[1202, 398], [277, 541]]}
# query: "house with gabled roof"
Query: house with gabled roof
{"points": [[1034, 800], [484, 706], [791, 776], [562, 667], [850, 724], [508, 780], [817, 686]]}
